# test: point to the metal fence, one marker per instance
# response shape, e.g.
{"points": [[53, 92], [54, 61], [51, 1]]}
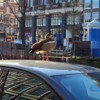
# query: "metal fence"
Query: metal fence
{"points": [[14, 51]]}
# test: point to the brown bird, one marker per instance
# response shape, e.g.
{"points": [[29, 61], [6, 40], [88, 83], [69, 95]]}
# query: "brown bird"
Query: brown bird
{"points": [[44, 46]]}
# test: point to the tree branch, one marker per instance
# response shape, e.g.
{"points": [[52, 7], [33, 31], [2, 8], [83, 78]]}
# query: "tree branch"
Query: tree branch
{"points": [[17, 2], [13, 12]]}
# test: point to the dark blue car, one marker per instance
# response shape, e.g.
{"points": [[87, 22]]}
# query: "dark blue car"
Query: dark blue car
{"points": [[45, 80]]}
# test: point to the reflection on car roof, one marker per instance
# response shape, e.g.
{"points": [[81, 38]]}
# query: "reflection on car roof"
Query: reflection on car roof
{"points": [[25, 86], [46, 67]]}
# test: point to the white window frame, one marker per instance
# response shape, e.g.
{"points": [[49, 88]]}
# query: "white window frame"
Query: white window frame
{"points": [[95, 15], [87, 17], [86, 4], [94, 2]]}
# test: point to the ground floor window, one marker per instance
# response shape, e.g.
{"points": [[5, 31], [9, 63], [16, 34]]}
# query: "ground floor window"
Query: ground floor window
{"points": [[40, 33], [87, 17], [95, 15]]}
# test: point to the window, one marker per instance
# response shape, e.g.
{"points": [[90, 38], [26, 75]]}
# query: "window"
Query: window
{"points": [[56, 19], [41, 21], [13, 21], [87, 4], [73, 19], [76, 19], [41, 2], [1, 16], [69, 19], [95, 15], [45, 2], [31, 3], [1, 3], [56, 30], [28, 3], [95, 4], [85, 87], [7, 20], [87, 17], [21, 85], [28, 22], [13, 1], [80, 1], [57, 1], [8, 10], [40, 34]]}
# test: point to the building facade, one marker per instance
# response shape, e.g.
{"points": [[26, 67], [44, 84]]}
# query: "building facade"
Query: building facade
{"points": [[64, 17], [8, 22], [2, 35], [91, 11], [60, 17]]}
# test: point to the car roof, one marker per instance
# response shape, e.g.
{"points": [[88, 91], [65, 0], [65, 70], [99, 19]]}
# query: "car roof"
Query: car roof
{"points": [[49, 68]]}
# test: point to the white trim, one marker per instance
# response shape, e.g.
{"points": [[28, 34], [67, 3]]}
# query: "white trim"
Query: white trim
{"points": [[53, 11]]}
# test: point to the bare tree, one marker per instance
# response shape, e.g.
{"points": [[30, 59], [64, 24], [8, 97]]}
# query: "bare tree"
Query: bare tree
{"points": [[74, 5], [12, 10], [22, 4]]}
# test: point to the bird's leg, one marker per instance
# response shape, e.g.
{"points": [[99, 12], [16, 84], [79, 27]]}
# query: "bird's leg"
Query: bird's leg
{"points": [[43, 56], [47, 56]]}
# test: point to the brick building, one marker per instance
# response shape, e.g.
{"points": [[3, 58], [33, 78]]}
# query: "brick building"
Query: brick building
{"points": [[91, 11], [8, 22], [56, 16]]}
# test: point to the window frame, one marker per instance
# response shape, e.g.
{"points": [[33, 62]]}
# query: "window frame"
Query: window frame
{"points": [[93, 2], [56, 19], [95, 15], [41, 20], [87, 19], [87, 6]]}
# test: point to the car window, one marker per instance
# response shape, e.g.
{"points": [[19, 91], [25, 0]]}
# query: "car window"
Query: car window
{"points": [[21, 85], [3, 74], [81, 86]]}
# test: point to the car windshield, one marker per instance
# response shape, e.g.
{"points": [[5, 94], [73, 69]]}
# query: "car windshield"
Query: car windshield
{"points": [[81, 86]]}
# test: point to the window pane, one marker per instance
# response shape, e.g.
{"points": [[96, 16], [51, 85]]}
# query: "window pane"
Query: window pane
{"points": [[56, 19], [28, 22], [41, 21], [1, 3], [72, 19], [31, 3], [57, 1], [87, 17], [87, 4], [76, 19], [43, 2], [95, 3], [85, 87], [95, 15]]}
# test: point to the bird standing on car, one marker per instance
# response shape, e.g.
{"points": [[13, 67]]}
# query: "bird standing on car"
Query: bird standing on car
{"points": [[44, 46]]}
